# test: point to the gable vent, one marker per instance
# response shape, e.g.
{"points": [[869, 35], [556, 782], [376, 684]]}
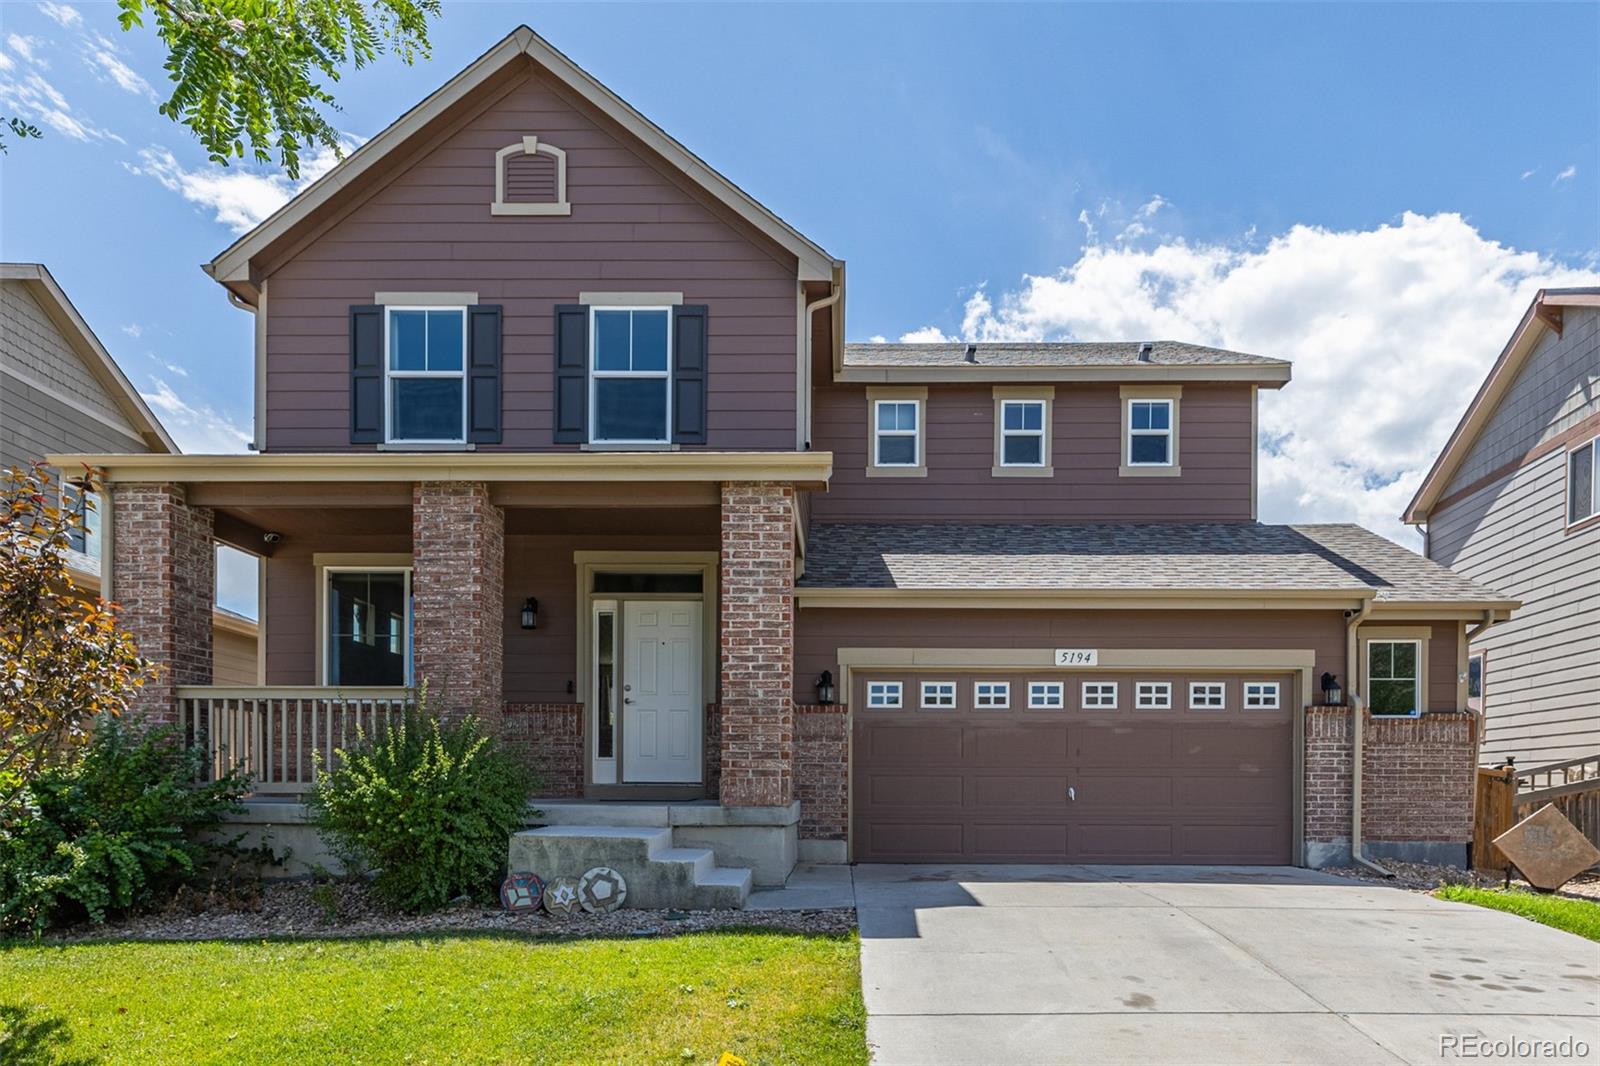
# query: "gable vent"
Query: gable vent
{"points": [[530, 178]]}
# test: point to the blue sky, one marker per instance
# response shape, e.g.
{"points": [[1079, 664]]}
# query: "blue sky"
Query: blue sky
{"points": [[1371, 190]]}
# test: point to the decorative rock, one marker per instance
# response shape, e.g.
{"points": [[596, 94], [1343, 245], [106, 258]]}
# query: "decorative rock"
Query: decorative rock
{"points": [[521, 892], [602, 890], [1547, 849], [561, 897]]}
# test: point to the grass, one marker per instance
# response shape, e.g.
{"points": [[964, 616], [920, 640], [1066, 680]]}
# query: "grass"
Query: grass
{"points": [[1580, 916], [767, 997]]}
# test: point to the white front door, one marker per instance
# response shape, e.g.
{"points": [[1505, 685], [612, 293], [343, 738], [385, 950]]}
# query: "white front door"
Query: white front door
{"points": [[661, 711]]}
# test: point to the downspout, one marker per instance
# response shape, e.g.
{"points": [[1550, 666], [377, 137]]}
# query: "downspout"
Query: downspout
{"points": [[811, 309], [1358, 713]]}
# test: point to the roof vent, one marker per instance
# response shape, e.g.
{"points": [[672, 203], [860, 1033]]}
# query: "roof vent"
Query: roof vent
{"points": [[972, 353], [1145, 348]]}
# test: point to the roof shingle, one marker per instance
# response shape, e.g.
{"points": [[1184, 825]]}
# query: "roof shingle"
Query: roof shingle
{"points": [[1063, 354]]}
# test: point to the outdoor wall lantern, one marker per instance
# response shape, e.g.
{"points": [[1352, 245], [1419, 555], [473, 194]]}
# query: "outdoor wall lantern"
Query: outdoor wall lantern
{"points": [[530, 614], [1332, 694], [825, 693]]}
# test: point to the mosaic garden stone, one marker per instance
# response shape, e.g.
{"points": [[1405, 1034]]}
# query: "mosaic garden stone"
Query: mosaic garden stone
{"points": [[1547, 848], [602, 890], [561, 897], [521, 892]]}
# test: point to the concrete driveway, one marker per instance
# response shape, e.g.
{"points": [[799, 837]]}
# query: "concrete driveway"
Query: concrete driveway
{"points": [[1065, 964]]}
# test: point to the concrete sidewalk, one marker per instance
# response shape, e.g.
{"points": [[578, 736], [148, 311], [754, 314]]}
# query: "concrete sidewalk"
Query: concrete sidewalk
{"points": [[1154, 965]]}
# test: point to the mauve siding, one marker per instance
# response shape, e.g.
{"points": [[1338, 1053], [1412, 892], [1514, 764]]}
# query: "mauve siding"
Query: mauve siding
{"points": [[1214, 451], [632, 229]]}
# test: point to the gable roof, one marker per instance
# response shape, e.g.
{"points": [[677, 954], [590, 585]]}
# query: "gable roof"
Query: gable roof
{"points": [[36, 278], [963, 361], [1543, 313], [232, 266]]}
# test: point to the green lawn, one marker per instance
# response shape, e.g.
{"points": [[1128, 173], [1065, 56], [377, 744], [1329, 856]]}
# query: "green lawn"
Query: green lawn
{"points": [[1580, 916], [768, 997]]}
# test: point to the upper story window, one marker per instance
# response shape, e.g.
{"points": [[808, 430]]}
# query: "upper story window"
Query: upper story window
{"points": [[1150, 430], [1583, 483], [630, 392], [426, 397], [1022, 431], [898, 436]]}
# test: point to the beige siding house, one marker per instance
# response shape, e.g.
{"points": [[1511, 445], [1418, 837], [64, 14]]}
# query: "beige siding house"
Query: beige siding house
{"points": [[1511, 502], [60, 389]]}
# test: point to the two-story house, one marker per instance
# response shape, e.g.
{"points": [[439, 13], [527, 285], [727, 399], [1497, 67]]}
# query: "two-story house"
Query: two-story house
{"points": [[1513, 501], [553, 417]]}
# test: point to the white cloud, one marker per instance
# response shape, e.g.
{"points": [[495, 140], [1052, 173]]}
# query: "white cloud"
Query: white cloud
{"points": [[25, 47], [202, 429], [65, 15], [1566, 175], [1526, 174], [237, 197], [925, 335], [133, 329], [101, 54], [1390, 329], [25, 92]]}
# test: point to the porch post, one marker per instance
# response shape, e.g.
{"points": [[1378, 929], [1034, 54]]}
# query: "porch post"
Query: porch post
{"points": [[164, 576], [458, 599], [757, 644]]}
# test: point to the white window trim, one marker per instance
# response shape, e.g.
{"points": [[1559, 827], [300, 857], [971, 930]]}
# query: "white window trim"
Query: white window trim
{"points": [[1042, 397], [1004, 695], [1276, 689], [898, 688], [1161, 690], [324, 571], [927, 685], [1222, 691], [1116, 695], [1593, 444], [1419, 658], [1170, 432], [876, 396], [389, 374], [72, 494], [879, 433], [1057, 702], [594, 339]]}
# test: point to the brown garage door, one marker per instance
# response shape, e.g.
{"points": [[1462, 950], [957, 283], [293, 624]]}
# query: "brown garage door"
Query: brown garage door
{"points": [[1078, 767]]}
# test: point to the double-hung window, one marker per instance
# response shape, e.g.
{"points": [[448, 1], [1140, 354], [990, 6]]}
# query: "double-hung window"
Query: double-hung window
{"points": [[426, 393], [1583, 482], [1394, 676], [85, 536], [630, 394], [897, 433], [1149, 432], [368, 626], [1022, 433]]}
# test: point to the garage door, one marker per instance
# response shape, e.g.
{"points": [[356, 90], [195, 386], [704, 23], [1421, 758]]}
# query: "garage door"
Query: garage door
{"points": [[1075, 767]]}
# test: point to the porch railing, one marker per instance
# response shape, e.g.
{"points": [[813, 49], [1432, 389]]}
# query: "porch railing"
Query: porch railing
{"points": [[279, 733]]}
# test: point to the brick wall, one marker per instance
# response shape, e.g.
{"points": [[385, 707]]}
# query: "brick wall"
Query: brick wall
{"points": [[757, 633], [822, 770], [1417, 777], [164, 577], [457, 588], [713, 748], [549, 737]]}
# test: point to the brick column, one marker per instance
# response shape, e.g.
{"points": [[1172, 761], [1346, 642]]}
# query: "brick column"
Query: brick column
{"points": [[757, 644], [164, 576], [458, 599]]}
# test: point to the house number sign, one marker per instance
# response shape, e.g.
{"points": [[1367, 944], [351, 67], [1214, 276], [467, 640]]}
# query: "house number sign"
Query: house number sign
{"points": [[1077, 657]]}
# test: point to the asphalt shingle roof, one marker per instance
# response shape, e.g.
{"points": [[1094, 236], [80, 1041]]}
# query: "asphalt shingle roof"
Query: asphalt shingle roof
{"points": [[1093, 353], [1133, 557]]}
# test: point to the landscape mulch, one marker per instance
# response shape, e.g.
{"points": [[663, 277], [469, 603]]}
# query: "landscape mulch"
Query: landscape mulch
{"points": [[1424, 877]]}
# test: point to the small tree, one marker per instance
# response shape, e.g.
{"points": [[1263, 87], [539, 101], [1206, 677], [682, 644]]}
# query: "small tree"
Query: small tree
{"points": [[63, 658]]}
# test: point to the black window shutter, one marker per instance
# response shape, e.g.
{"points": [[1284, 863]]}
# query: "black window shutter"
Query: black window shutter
{"points": [[572, 374], [689, 374], [366, 374], [483, 374]]}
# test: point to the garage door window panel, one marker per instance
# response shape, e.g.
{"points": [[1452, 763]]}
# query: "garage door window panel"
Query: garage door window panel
{"points": [[991, 695], [1208, 696], [1152, 696], [1262, 696], [938, 696], [1099, 695], [885, 695], [1046, 695]]}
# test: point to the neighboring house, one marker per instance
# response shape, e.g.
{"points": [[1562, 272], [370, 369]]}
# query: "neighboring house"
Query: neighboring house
{"points": [[60, 391], [1514, 501], [552, 416]]}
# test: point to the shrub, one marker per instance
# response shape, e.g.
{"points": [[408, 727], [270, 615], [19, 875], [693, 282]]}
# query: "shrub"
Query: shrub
{"points": [[113, 832], [429, 808]]}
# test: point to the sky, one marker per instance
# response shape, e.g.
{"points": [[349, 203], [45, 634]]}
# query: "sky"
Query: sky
{"points": [[1373, 191]]}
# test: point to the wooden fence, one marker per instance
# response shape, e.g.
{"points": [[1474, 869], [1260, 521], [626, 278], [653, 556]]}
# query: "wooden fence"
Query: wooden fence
{"points": [[1508, 794], [281, 735]]}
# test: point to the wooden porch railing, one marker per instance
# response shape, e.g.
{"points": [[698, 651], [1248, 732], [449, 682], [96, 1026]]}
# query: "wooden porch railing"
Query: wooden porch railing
{"points": [[278, 733], [1507, 795]]}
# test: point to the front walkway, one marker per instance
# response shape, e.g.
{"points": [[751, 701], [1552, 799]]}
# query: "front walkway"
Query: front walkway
{"points": [[1063, 964]]}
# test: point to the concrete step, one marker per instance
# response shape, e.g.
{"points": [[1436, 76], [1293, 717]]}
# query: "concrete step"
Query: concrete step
{"points": [[658, 874]]}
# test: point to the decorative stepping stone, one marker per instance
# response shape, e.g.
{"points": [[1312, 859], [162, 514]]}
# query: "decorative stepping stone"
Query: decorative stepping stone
{"points": [[602, 890], [1547, 848], [521, 892], [561, 897]]}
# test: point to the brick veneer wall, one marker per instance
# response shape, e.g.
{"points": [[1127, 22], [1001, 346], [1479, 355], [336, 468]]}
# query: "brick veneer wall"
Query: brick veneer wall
{"points": [[713, 749], [757, 635], [458, 598], [822, 770], [164, 578], [1417, 777], [549, 737]]}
